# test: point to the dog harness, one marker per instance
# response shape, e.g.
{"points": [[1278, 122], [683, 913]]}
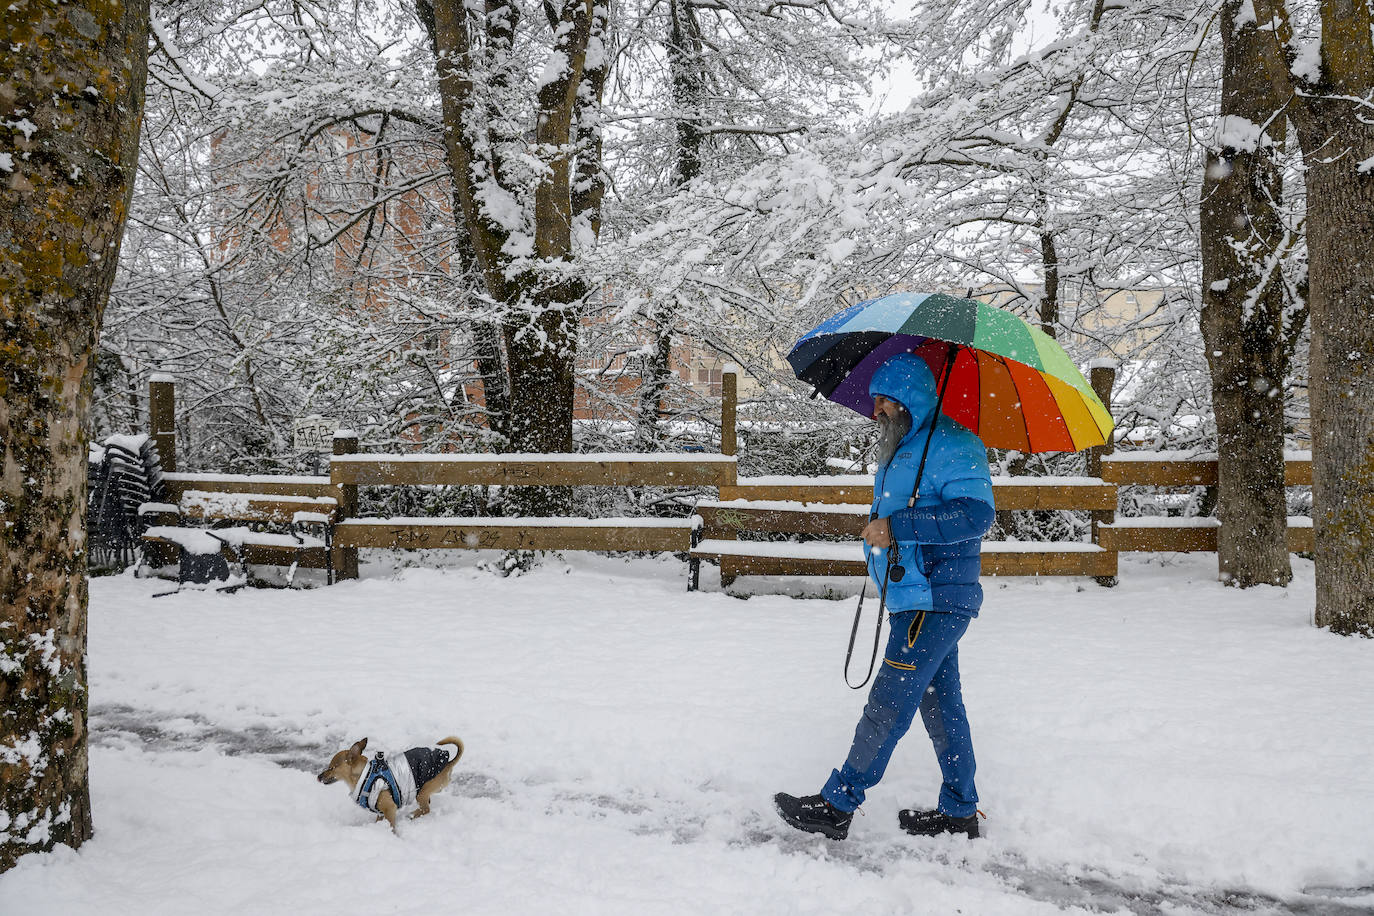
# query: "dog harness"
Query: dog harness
{"points": [[401, 776]]}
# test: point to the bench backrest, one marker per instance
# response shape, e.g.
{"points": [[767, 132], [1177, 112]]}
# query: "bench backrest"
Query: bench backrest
{"points": [[257, 507]]}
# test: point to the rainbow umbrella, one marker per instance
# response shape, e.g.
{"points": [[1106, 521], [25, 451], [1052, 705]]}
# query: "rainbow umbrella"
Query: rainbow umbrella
{"points": [[1009, 382]]}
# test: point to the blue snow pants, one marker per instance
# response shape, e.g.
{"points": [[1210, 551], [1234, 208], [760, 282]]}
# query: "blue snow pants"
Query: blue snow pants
{"points": [[920, 671]]}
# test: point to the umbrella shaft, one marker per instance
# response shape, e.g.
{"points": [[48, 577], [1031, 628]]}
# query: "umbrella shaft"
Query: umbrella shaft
{"points": [[939, 403]]}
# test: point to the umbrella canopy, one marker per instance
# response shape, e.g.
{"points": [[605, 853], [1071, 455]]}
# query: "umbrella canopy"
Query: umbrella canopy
{"points": [[1010, 383]]}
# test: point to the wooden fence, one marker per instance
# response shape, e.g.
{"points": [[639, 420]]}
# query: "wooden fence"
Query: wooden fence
{"points": [[1169, 470], [726, 529], [350, 470]]}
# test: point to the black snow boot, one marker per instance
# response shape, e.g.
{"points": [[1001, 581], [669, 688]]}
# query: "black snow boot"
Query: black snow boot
{"points": [[934, 823], [814, 815]]}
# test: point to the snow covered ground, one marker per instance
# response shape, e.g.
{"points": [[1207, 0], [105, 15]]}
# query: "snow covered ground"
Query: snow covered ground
{"points": [[1169, 746]]}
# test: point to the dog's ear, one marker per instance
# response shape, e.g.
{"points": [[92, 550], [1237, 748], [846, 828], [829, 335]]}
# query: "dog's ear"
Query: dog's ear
{"points": [[360, 746]]}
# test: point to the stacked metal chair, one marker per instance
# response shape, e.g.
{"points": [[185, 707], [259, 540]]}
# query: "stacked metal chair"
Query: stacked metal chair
{"points": [[123, 474]]}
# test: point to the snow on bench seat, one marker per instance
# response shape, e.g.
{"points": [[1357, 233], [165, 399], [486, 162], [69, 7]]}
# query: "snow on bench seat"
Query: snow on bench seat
{"points": [[208, 541], [785, 505], [830, 551], [534, 533], [725, 518]]}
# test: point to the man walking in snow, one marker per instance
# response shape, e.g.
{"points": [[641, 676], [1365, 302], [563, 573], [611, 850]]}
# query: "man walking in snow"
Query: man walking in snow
{"points": [[932, 595]]}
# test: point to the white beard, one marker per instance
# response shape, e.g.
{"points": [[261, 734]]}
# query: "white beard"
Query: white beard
{"points": [[891, 433]]}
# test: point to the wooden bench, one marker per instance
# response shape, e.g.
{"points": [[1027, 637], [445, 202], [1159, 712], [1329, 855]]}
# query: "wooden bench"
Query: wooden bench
{"points": [[838, 507], [480, 533], [212, 513], [350, 471]]}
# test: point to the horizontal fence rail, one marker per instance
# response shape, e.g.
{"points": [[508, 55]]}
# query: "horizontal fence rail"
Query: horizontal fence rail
{"points": [[608, 469], [1179, 469], [1085, 493]]}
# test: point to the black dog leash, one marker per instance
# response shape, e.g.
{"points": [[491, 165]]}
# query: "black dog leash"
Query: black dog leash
{"points": [[877, 628]]}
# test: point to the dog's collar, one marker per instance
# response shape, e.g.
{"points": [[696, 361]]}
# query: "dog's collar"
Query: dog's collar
{"points": [[378, 769]]}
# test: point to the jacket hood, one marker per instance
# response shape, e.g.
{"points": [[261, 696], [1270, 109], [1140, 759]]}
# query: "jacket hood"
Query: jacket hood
{"points": [[906, 379]]}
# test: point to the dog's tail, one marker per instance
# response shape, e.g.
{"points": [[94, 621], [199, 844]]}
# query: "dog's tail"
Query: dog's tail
{"points": [[457, 743]]}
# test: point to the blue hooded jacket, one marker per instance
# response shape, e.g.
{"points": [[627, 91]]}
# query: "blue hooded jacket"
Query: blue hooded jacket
{"points": [[939, 539]]}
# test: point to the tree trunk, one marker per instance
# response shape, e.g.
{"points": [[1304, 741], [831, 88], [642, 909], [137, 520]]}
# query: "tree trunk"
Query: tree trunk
{"points": [[541, 401], [689, 83], [492, 368], [1340, 241], [689, 89], [1243, 314], [71, 97], [1337, 139], [1047, 309], [654, 383]]}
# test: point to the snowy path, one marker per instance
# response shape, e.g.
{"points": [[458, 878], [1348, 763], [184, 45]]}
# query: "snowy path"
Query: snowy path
{"points": [[1096, 890], [1166, 747]]}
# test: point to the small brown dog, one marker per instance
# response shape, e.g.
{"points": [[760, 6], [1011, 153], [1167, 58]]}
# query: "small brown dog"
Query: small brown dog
{"points": [[387, 784]]}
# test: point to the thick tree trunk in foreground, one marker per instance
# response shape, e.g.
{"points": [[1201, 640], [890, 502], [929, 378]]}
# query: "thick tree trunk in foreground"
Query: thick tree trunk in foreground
{"points": [[1340, 241], [1330, 111], [1243, 322], [71, 97]]}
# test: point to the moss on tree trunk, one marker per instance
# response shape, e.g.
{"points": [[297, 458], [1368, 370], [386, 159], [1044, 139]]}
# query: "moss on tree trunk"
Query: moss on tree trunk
{"points": [[71, 97]]}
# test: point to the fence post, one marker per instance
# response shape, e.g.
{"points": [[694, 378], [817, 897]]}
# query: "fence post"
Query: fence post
{"points": [[1102, 376], [345, 558], [162, 417], [729, 440], [729, 402]]}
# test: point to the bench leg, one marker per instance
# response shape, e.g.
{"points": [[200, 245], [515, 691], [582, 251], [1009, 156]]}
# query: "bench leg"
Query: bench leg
{"points": [[693, 575], [328, 556], [727, 572]]}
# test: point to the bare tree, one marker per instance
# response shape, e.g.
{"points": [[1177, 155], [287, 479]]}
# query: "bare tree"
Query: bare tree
{"points": [[71, 96], [1247, 329], [1321, 62]]}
